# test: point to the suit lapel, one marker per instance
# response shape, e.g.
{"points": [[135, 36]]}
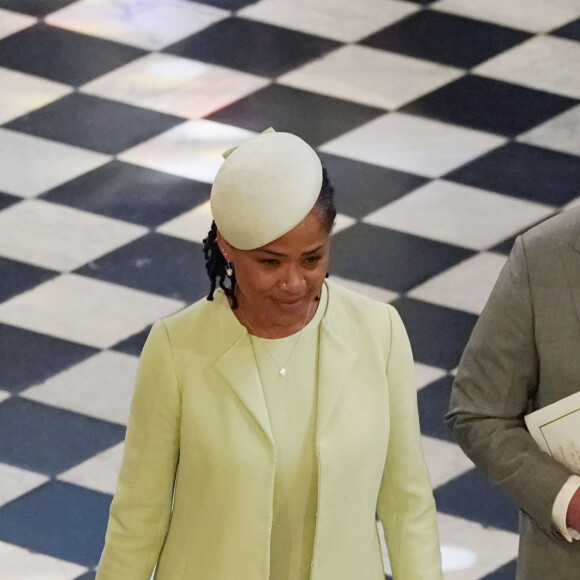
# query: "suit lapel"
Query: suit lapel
{"points": [[571, 259], [336, 358]]}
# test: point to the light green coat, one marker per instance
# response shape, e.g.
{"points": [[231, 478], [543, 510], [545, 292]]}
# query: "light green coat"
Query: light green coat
{"points": [[198, 411]]}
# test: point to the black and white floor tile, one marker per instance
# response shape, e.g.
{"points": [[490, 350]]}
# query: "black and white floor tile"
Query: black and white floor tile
{"points": [[447, 126]]}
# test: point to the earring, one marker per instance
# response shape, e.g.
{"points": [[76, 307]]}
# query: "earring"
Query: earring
{"points": [[229, 269]]}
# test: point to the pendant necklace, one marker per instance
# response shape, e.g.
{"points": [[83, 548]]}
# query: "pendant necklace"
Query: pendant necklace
{"points": [[282, 368]]}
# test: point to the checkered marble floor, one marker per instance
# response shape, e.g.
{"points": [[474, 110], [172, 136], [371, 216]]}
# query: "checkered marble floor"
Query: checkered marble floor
{"points": [[447, 128]]}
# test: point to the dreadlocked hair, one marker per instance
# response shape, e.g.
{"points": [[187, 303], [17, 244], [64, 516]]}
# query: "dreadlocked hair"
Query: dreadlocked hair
{"points": [[215, 265]]}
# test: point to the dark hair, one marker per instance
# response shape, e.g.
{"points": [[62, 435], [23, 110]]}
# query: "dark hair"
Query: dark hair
{"points": [[216, 265]]}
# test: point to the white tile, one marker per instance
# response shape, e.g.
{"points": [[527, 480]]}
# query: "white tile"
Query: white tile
{"points": [[175, 86], [12, 22], [59, 237], [192, 225], [543, 62], [31, 165], [470, 550], [466, 286], [374, 292], [561, 133], [445, 460], [100, 386], [425, 374], [20, 564], [15, 482], [22, 93], [342, 222], [370, 76], [341, 20], [459, 214], [193, 149], [99, 472], [87, 311], [529, 15], [420, 146], [147, 24]]}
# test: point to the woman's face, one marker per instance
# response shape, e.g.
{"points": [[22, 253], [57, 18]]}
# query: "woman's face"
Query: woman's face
{"points": [[277, 283]]}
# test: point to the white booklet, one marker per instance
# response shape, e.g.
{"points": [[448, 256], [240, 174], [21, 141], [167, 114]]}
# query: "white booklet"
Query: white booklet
{"points": [[556, 429]]}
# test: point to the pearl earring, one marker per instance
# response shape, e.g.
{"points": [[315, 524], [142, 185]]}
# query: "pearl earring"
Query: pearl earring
{"points": [[229, 269]]}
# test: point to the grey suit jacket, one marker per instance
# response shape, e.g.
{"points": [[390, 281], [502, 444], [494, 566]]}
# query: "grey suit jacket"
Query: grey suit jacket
{"points": [[524, 353]]}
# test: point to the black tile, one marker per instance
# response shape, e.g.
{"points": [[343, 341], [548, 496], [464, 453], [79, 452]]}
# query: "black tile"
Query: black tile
{"points": [[524, 171], [490, 105], [59, 519], [446, 38], [227, 4], [155, 263], [63, 56], [315, 118], [131, 193], [8, 200], [438, 335], [462, 497], [134, 344], [390, 259], [361, 188], [35, 7], [507, 572], [433, 402], [50, 440], [16, 277], [252, 47], [570, 30], [35, 357], [94, 123]]}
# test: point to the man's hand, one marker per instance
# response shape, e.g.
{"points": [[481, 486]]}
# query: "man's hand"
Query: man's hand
{"points": [[573, 514]]}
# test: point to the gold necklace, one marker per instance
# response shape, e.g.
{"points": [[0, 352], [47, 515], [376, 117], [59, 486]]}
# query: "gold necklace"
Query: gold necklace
{"points": [[282, 368]]}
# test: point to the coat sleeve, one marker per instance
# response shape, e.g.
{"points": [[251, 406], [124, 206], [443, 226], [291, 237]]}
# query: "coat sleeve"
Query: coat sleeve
{"points": [[141, 508], [498, 377], [406, 506]]}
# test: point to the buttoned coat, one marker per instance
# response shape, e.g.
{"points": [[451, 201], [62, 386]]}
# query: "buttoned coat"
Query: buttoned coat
{"points": [[195, 493], [524, 354]]}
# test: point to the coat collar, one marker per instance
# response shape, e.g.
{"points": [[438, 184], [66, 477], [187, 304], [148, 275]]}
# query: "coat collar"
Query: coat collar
{"points": [[337, 354]]}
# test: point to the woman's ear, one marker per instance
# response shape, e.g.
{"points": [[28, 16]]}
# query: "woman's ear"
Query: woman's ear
{"points": [[222, 245]]}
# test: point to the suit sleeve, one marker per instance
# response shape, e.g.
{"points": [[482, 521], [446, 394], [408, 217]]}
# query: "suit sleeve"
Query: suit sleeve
{"points": [[406, 506], [497, 378], [141, 508]]}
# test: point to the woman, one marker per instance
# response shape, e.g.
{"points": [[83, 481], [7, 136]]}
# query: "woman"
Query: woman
{"points": [[271, 423]]}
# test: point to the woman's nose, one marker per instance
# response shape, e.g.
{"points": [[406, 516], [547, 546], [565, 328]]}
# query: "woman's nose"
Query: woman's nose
{"points": [[293, 280]]}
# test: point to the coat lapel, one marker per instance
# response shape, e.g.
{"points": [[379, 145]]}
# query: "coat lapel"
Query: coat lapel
{"points": [[571, 259], [335, 360], [238, 368]]}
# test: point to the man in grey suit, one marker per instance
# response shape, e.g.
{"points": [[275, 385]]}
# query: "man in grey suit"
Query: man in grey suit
{"points": [[524, 354]]}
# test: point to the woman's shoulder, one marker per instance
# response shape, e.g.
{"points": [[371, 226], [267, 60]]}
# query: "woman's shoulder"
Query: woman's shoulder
{"points": [[202, 314], [350, 307]]}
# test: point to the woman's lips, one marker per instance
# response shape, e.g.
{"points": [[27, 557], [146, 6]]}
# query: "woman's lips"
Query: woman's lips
{"points": [[290, 303]]}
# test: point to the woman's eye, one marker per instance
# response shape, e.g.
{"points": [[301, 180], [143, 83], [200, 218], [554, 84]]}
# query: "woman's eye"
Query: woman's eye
{"points": [[270, 262]]}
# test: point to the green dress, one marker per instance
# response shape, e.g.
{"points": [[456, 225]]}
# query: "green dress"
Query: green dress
{"points": [[291, 403]]}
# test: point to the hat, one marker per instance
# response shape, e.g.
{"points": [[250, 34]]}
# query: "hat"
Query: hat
{"points": [[264, 189]]}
